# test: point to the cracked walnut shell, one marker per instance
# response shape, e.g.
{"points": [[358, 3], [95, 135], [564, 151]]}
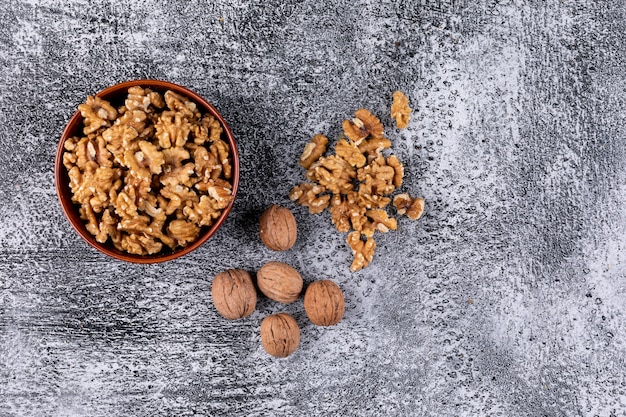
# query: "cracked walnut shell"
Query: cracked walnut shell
{"points": [[279, 281], [280, 335], [324, 303], [233, 293], [277, 228]]}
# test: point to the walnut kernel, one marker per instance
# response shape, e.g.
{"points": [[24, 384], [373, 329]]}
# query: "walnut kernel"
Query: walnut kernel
{"points": [[363, 125], [400, 109], [333, 173], [313, 150], [412, 207], [96, 113], [310, 195], [379, 221], [363, 251], [372, 147], [351, 153]]}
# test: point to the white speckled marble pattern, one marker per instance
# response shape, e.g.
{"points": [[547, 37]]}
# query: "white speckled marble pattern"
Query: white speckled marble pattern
{"points": [[507, 298]]}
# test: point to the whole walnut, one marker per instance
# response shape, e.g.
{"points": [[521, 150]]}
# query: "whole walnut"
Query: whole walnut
{"points": [[324, 303], [279, 281], [233, 293], [280, 335], [277, 228]]}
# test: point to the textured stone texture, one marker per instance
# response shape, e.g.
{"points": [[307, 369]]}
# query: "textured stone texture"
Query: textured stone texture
{"points": [[506, 299]]}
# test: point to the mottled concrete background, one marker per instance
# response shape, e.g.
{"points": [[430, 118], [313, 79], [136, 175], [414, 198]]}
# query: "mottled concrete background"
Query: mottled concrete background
{"points": [[507, 299]]}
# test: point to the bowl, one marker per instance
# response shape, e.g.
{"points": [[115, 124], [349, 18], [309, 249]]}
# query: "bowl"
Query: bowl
{"points": [[116, 94]]}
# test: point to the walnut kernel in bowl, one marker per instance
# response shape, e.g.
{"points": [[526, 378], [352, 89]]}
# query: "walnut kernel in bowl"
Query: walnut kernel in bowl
{"points": [[150, 172]]}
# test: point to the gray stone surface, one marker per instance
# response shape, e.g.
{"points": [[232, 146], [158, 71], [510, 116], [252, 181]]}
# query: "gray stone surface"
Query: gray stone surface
{"points": [[506, 299]]}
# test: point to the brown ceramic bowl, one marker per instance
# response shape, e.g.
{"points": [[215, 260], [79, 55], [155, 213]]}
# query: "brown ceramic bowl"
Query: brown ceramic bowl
{"points": [[116, 95]]}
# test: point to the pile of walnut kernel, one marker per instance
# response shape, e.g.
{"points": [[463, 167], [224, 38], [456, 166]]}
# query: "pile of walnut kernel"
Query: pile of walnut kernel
{"points": [[149, 174], [358, 180]]}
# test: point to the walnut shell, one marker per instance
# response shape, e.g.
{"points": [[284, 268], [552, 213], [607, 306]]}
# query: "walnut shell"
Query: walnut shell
{"points": [[280, 335], [277, 228], [279, 281], [324, 303], [233, 293]]}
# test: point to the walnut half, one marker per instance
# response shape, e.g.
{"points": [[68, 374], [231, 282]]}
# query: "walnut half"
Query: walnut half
{"points": [[363, 251], [313, 150], [400, 109], [412, 207], [310, 195]]}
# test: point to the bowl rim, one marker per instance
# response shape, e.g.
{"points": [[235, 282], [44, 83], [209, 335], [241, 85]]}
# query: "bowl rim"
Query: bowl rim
{"points": [[63, 189]]}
